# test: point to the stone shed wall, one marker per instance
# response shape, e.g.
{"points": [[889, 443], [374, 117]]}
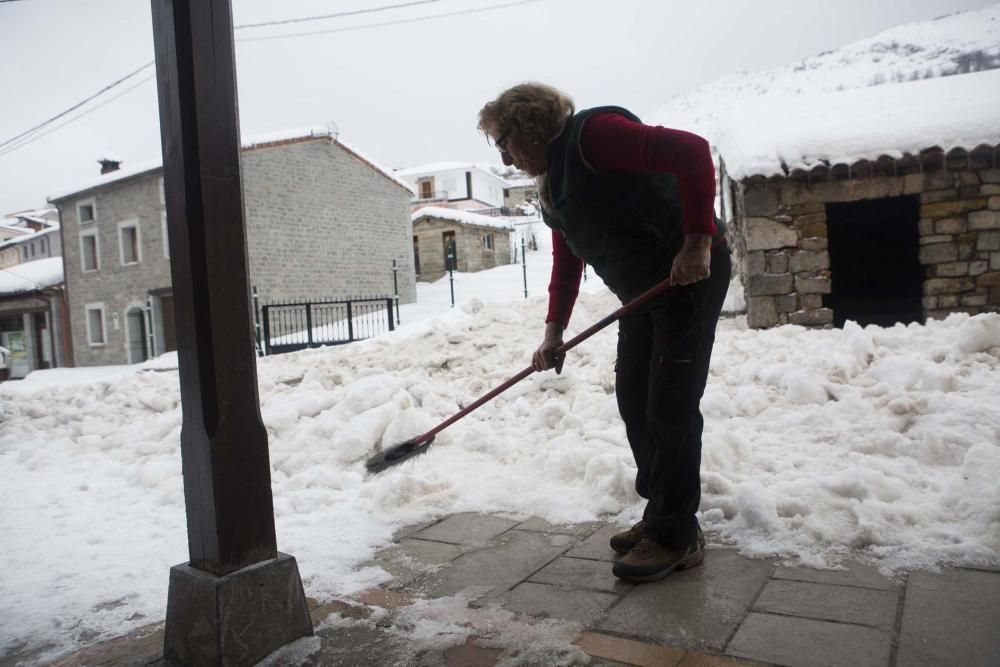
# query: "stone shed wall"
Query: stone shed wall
{"points": [[472, 254], [781, 241]]}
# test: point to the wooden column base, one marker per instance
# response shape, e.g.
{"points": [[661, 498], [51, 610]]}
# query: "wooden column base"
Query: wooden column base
{"points": [[237, 619]]}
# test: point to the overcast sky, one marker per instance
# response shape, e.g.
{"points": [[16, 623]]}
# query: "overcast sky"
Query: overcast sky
{"points": [[405, 94]]}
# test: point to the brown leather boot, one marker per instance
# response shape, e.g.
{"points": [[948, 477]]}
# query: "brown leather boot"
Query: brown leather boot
{"points": [[651, 561], [626, 540]]}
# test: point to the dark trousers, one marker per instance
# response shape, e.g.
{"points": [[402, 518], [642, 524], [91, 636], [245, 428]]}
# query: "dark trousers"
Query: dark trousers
{"points": [[663, 356]]}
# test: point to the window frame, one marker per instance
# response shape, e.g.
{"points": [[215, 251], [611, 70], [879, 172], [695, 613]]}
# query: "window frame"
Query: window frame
{"points": [[134, 224], [88, 309], [92, 202], [90, 233], [165, 235]]}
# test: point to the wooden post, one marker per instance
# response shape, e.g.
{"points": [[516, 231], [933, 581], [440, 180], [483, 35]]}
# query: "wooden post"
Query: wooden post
{"points": [[227, 484]]}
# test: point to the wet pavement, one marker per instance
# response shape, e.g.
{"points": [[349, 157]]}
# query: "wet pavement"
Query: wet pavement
{"points": [[474, 590]]}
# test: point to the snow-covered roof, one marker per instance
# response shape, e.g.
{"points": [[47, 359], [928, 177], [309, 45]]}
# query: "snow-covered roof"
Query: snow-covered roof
{"points": [[252, 142], [462, 217], [438, 167], [777, 134], [31, 276], [898, 91], [24, 238]]}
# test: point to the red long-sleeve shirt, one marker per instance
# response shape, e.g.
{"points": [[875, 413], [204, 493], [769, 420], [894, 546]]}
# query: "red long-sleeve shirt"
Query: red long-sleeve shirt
{"points": [[612, 142]]}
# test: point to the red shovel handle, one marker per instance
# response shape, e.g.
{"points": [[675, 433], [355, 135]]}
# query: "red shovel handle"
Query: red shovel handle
{"points": [[629, 307]]}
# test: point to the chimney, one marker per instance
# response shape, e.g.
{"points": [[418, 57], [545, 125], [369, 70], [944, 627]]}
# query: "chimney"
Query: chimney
{"points": [[108, 165]]}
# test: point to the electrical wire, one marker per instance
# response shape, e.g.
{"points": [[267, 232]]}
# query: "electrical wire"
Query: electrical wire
{"points": [[39, 135], [418, 19], [355, 12], [30, 135]]}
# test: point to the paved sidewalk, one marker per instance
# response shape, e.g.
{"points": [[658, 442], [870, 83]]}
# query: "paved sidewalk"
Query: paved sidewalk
{"points": [[535, 594]]}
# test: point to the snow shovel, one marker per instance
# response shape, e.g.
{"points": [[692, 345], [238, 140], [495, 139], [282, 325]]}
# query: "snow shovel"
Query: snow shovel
{"points": [[391, 456]]}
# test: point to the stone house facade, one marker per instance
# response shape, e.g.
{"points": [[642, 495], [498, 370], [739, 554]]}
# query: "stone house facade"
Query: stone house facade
{"points": [[321, 220], [877, 241], [474, 242]]}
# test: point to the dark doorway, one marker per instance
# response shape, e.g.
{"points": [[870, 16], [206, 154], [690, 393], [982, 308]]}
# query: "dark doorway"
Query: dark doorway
{"points": [[874, 261], [450, 251], [169, 328]]}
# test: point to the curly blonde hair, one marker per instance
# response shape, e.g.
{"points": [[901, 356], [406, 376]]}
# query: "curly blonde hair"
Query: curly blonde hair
{"points": [[536, 111]]}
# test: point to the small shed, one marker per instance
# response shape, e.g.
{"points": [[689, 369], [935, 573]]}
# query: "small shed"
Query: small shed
{"points": [[877, 205], [446, 238]]}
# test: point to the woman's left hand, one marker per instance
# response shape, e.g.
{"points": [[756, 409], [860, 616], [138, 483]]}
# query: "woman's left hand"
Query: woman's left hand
{"points": [[691, 263]]}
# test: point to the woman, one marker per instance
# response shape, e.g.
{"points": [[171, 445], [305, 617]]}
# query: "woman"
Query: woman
{"points": [[636, 203]]}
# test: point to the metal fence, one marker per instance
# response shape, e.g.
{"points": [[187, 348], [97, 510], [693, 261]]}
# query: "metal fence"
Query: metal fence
{"points": [[298, 325]]}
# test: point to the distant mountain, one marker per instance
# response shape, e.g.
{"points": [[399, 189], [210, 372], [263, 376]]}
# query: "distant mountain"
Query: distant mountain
{"points": [[955, 44]]}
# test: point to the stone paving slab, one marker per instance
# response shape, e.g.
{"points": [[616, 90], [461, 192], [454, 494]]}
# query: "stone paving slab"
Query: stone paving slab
{"points": [[580, 530], [846, 604], [466, 528], [514, 556], [695, 609], [854, 574], [581, 573], [544, 601], [803, 642], [596, 547], [951, 618], [412, 558]]}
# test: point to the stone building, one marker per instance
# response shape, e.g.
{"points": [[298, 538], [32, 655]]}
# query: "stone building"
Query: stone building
{"points": [[468, 241], [322, 221], [889, 214], [33, 316]]}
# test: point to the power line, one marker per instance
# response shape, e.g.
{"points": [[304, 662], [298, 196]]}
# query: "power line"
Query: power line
{"points": [[337, 15], [76, 106], [40, 135], [418, 19], [31, 134]]}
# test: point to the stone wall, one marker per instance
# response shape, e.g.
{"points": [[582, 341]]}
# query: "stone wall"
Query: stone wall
{"points": [[781, 241], [472, 254], [320, 223]]}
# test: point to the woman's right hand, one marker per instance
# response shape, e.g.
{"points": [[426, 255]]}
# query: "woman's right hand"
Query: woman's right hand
{"points": [[547, 355]]}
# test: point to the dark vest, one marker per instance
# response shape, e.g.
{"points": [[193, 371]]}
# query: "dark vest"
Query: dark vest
{"points": [[625, 225]]}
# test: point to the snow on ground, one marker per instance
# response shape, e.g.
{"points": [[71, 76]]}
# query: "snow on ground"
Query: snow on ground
{"points": [[882, 444]]}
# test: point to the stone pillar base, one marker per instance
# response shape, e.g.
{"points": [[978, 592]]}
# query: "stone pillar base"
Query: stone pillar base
{"points": [[237, 619]]}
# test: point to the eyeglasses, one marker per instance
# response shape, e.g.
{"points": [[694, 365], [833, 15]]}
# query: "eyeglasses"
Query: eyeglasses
{"points": [[501, 142]]}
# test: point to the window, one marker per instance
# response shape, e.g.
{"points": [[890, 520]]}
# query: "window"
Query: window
{"points": [[86, 211], [90, 256], [488, 241], [164, 234], [95, 324], [24, 250], [41, 245], [426, 188], [128, 242], [32, 246]]}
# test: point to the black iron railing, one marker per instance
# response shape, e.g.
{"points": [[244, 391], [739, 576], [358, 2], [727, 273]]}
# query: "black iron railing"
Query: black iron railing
{"points": [[297, 325]]}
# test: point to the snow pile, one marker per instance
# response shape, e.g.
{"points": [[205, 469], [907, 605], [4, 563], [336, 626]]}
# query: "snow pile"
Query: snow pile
{"points": [[31, 276], [852, 103], [882, 444]]}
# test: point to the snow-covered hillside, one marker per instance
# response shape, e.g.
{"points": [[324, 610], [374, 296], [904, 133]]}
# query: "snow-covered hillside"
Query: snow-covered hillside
{"points": [[802, 113]]}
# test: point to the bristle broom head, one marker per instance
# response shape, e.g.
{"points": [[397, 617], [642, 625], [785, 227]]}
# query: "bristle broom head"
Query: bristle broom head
{"points": [[396, 454]]}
